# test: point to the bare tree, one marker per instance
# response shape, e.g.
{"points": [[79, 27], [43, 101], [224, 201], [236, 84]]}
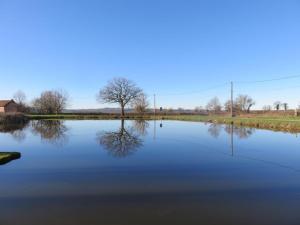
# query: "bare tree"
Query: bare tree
{"points": [[267, 108], [20, 98], [240, 132], [214, 105], [198, 109], [120, 143], [277, 105], [121, 91], [180, 109], [51, 102], [171, 110], [244, 103], [215, 130], [141, 126], [227, 106], [140, 104], [285, 106], [52, 131]]}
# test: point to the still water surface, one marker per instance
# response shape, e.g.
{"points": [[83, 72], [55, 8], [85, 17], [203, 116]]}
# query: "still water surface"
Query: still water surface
{"points": [[147, 172]]}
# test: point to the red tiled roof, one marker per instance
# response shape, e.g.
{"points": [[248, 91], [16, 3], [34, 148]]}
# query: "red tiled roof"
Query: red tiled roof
{"points": [[3, 103]]}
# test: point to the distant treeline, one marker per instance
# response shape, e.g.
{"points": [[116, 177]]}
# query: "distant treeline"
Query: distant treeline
{"points": [[132, 99]]}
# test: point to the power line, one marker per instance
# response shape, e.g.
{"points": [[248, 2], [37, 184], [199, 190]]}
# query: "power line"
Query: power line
{"points": [[268, 80], [281, 89], [236, 82], [196, 92], [285, 88]]}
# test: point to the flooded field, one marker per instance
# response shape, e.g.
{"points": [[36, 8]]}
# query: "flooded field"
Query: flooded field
{"points": [[148, 172]]}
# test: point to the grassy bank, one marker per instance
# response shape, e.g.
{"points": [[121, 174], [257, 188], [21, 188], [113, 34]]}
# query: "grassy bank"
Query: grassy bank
{"points": [[282, 123], [6, 157], [288, 124]]}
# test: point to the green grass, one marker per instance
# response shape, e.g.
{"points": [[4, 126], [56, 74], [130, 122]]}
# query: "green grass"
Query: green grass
{"points": [[281, 123], [289, 124]]}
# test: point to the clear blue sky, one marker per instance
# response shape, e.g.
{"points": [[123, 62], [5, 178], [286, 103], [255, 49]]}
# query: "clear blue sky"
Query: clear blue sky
{"points": [[165, 46]]}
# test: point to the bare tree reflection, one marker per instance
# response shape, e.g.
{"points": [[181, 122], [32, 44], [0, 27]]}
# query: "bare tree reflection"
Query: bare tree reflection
{"points": [[214, 130], [240, 132], [122, 142], [19, 135], [16, 130], [52, 131], [141, 126]]}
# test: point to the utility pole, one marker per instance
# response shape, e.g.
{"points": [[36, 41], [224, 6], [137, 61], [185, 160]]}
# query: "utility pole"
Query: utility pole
{"points": [[154, 105], [154, 129], [231, 138], [231, 100]]}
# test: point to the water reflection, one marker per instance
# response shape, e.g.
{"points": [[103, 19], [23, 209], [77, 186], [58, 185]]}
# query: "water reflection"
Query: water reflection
{"points": [[141, 126], [241, 132], [17, 131], [125, 141], [51, 131], [187, 176], [214, 130]]}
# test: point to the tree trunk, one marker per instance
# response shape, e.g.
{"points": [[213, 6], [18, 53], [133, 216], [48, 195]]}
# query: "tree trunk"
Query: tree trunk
{"points": [[122, 110], [122, 126], [248, 110]]}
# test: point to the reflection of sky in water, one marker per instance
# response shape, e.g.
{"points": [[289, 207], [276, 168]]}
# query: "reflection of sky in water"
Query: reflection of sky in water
{"points": [[188, 145], [179, 142], [177, 146], [183, 158]]}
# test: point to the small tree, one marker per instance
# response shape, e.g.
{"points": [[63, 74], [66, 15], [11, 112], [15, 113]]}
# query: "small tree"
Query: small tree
{"points": [[244, 103], [20, 98], [214, 105], [180, 110], [198, 109], [227, 106], [277, 105], [140, 104], [51, 102], [285, 106], [170, 110], [120, 91], [267, 108]]}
